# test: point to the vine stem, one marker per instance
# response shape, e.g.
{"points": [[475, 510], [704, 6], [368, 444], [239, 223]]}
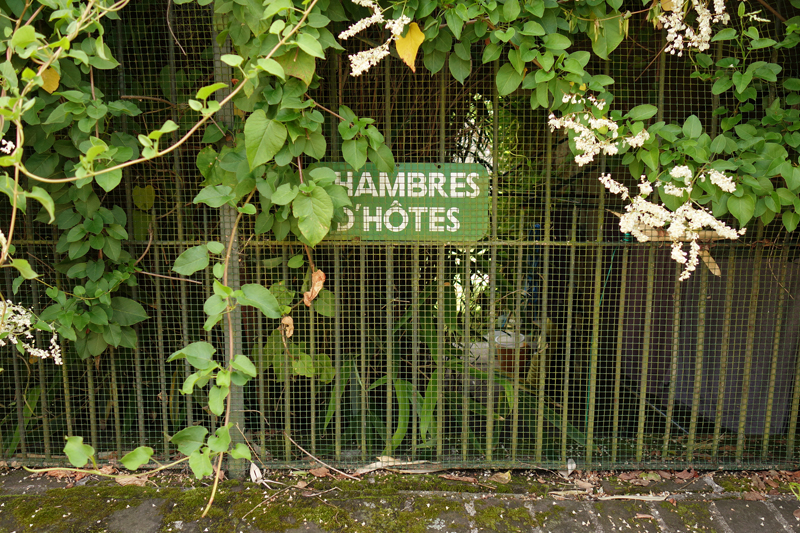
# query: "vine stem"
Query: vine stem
{"points": [[97, 472]]}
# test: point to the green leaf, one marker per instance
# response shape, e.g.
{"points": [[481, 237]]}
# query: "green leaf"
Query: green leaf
{"points": [[208, 90], [354, 152], [221, 440], [138, 457], [214, 195], [285, 194], [243, 364], [790, 220], [459, 68], [215, 247], [315, 213], [508, 79], [642, 112], [556, 41], [382, 158], [325, 303], [77, 452], [216, 399], [742, 208], [429, 404], [263, 138], [231, 59], [200, 463], [22, 37], [259, 297], [24, 268], [197, 353], [692, 128], [109, 180], [303, 365], [240, 451], [192, 260], [144, 197], [296, 261], [511, 10], [724, 35], [127, 312], [310, 45]]}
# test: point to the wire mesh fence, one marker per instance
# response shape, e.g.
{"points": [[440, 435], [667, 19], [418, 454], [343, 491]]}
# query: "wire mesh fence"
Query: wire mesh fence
{"points": [[487, 310]]}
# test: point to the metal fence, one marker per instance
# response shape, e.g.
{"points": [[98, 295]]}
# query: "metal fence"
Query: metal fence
{"points": [[548, 336]]}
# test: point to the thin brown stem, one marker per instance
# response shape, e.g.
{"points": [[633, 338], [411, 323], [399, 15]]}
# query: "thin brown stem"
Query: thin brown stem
{"points": [[326, 465]]}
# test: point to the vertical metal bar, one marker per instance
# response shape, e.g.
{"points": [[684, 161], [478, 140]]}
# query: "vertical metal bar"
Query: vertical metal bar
{"points": [[178, 184], [543, 319], [595, 348], [337, 351], [623, 287], [287, 372], [262, 393], [161, 354], [648, 324], [137, 353], [724, 348], [363, 370], [673, 365], [517, 344], [749, 346], [415, 347], [389, 347], [92, 402], [795, 410], [45, 409], [440, 351], [773, 372], [312, 381], [565, 406], [698, 363], [493, 273], [466, 286], [115, 400], [19, 398], [65, 379]]}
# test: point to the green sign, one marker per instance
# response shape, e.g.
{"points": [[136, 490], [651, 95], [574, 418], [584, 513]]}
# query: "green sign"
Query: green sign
{"points": [[418, 202]]}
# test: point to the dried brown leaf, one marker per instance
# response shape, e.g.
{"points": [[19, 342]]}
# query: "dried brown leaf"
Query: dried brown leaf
{"points": [[108, 469], [627, 476], [59, 474], [642, 515], [287, 323], [585, 485], [758, 482], [686, 474], [301, 484], [453, 477], [317, 281], [131, 480], [501, 477], [796, 513], [772, 484], [664, 474], [753, 496], [320, 472]]}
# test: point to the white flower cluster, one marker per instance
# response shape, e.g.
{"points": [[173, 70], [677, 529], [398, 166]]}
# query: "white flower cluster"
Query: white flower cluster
{"points": [[719, 179], [16, 327], [681, 36], [586, 126], [614, 187], [683, 225], [6, 146], [363, 61]]}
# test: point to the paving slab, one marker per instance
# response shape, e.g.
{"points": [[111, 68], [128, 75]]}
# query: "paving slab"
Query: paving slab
{"points": [[616, 515], [748, 517]]}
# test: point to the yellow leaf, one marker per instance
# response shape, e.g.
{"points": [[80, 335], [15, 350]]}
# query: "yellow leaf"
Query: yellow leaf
{"points": [[51, 79], [667, 5], [407, 46]]}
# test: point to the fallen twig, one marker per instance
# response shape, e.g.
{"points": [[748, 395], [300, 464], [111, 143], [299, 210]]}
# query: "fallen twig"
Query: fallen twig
{"points": [[318, 460]]}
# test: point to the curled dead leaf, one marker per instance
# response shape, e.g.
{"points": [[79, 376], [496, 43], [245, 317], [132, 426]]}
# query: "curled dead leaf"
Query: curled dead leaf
{"points": [[585, 485], [131, 480], [753, 496], [317, 281], [453, 477], [320, 472], [108, 469], [287, 323], [501, 477], [796, 513], [642, 515], [301, 484]]}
